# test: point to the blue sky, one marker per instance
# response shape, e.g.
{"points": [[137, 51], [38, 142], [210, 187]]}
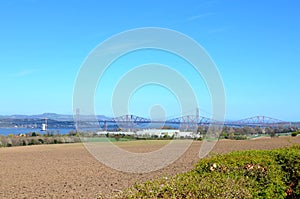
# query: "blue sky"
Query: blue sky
{"points": [[255, 45]]}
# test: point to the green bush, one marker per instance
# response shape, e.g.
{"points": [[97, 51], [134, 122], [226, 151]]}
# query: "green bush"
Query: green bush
{"points": [[289, 160], [24, 142], [199, 139], [294, 134], [41, 140], [246, 174], [32, 142]]}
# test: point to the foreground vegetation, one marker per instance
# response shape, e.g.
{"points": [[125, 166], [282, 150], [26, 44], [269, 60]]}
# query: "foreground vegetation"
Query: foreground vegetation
{"points": [[243, 174]]}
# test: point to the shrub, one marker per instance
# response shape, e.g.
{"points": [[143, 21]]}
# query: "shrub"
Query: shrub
{"points": [[61, 140], [48, 140], [237, 137], [199, 139], [69, 140], [272, 134], [16, 141], [1, 143], [76, 139], [289, 160], [246, 174], [32, 142], [8, 142], [24, 142], [41, 140], [294, 134]]}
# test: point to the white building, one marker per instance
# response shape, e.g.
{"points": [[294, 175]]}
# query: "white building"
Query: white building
{"points": [[115, 132], [153, 133], [165, 132]]}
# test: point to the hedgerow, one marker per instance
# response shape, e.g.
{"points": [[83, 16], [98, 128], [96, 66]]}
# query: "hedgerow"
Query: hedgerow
{"points": [[244, 174], [9, 141]]}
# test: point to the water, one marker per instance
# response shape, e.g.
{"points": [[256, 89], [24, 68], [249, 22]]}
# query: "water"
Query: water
{"points": [[16, 131]]}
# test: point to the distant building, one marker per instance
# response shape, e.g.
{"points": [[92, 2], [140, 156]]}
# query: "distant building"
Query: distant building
{"points": [[158, 132], [44, 127], [115, 132], [165, 132], [147, 133]]}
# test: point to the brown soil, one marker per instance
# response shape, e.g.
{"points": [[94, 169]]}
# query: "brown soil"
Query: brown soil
{"points": [[70, 171]]}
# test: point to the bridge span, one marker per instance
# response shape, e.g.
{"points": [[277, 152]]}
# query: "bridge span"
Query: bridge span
{"points": [[184, 122]]}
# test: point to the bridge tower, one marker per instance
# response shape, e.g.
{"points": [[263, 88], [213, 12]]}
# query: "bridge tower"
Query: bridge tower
{"points": [[77, 118], [197, 119], [105, 126]]}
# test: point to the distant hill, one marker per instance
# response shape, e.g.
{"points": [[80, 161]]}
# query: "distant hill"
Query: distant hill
{"points": [[51, 116], [54, 120]]}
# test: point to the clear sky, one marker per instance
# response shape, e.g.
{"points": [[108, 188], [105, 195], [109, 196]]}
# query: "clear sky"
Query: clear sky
{"points": [[255, 45]]}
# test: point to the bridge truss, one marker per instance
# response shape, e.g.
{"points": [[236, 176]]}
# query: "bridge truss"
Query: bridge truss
{"points": [[189, 122], [258, 121]]}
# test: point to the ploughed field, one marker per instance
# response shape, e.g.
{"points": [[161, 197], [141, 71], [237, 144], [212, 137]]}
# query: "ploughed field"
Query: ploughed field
{"points": [[70, 171]]}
